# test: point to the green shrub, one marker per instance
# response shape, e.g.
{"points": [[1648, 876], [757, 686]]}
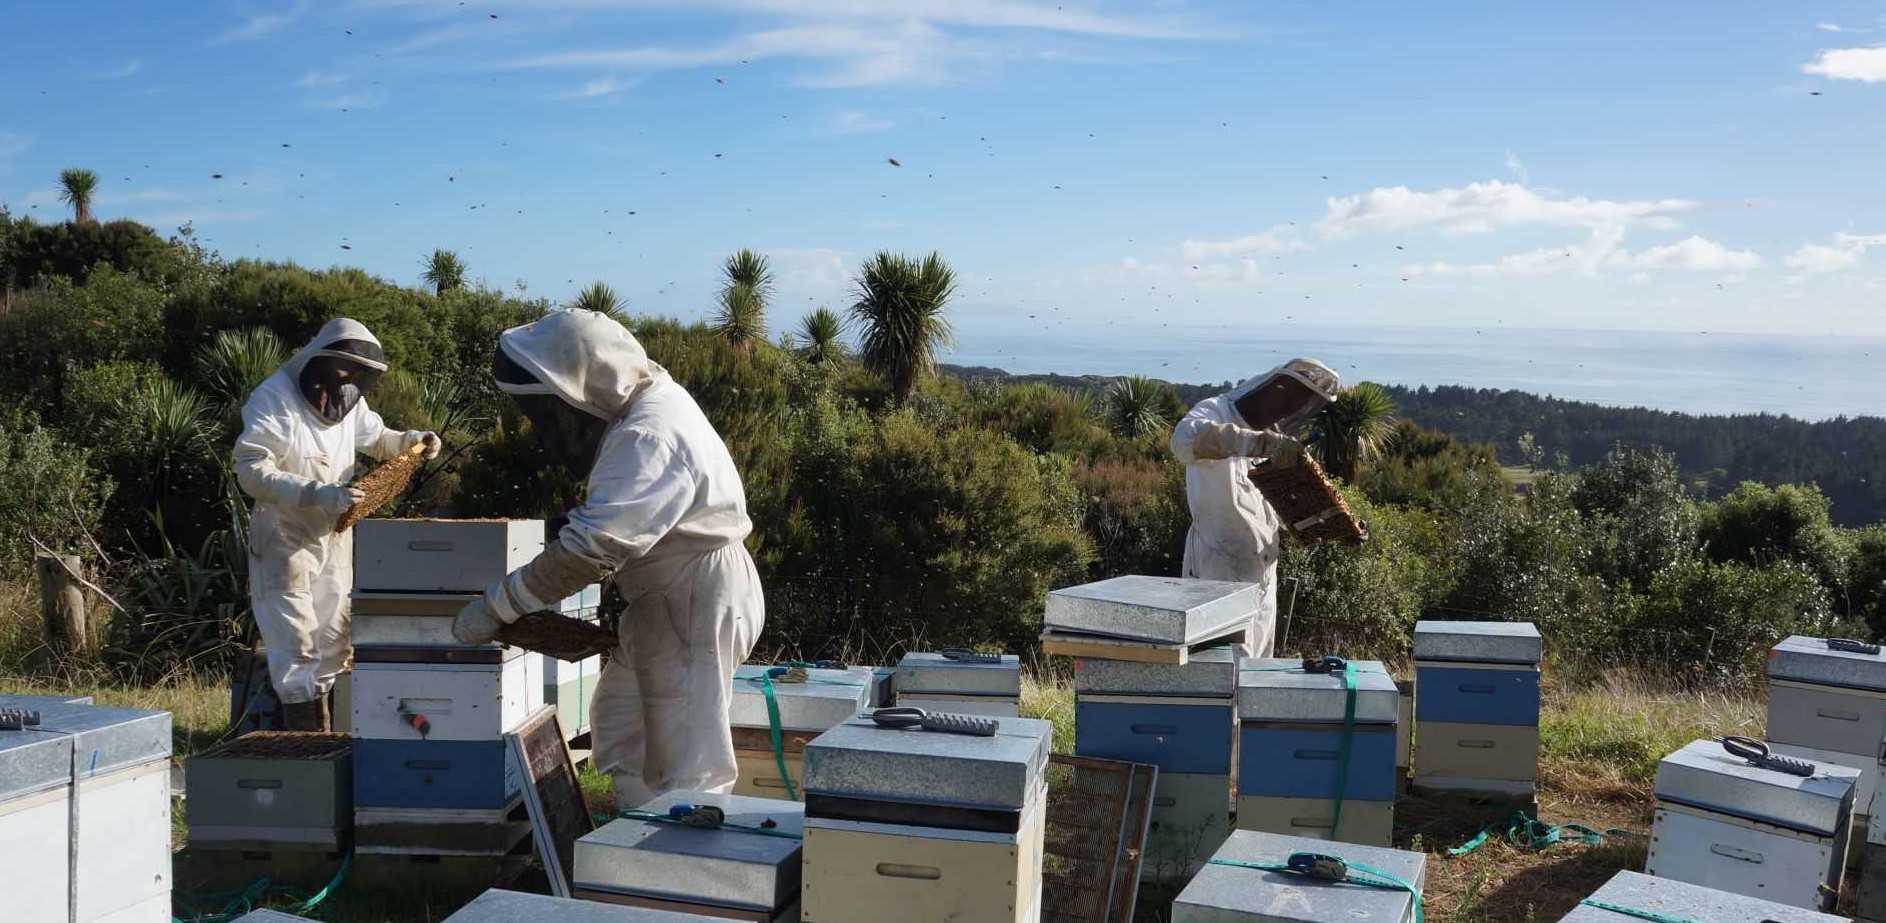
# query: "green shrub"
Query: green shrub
{"points": [[57, 329], [1643, 521], [1136, 515], [49, 493], [1357, 600], [1715, 622], [1759, 525]]}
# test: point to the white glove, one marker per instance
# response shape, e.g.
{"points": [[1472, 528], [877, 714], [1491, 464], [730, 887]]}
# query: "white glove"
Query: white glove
{"points": [[1276, 447], [333, 499], [431, 441], [476, 623]]}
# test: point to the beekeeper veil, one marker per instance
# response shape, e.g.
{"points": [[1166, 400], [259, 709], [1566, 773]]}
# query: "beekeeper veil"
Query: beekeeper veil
{"points": [[337, 368], [1318, 379], [572, 373]]}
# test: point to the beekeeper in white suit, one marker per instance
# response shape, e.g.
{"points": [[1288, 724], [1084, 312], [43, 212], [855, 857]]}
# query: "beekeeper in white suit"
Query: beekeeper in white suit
{"points": [[665, 513], [1234, 531], [301, 433]]}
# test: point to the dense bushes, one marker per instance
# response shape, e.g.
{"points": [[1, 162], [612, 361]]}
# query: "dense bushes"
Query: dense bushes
{"points": [[49, 494]]}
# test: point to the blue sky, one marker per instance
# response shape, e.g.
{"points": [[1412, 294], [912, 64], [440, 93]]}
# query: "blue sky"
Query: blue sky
{"points": [[1084, 166]]}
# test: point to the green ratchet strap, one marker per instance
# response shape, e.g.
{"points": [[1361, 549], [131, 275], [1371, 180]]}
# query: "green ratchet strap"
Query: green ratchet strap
{"points": [[1370, 877], [633, 814], [1528, 832], [765, 680], [246, 900], [1651, 915], [1348, 722]]}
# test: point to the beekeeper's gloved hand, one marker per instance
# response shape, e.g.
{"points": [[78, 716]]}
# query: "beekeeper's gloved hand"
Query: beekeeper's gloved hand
{"points": [[332, 499], [1277, 447], [476, 623], [431, 441]]}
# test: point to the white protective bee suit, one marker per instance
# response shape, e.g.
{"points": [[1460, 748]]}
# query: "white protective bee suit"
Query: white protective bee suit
{"points": [[665, 513], [1234, 534], [295, 463]]}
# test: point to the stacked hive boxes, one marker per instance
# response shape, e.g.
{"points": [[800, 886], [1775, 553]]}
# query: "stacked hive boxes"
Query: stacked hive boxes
{"points": [[84, 812], [1827, 704], [1243, 884], [961, 682], [747, 868], [1477, 707], [1180, 718], [923, 826], [569, 686], [272, 790], [496, 906], [1317, 737], [805, 702], [1724, 821], [1630, 897], [1149, 619], [431, 770]]}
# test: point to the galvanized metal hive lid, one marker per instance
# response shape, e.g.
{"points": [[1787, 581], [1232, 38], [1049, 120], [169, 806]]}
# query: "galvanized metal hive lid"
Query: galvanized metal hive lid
{"points": [[728, 867], [858, 759], [828, 697], [1161, 610], [108, 739], [933, 672], [1702, 775], [1273, 689], [1683, 900], [1482, 642], [1809, 660], [1221, 892], [1210, 673], [495, 906]]}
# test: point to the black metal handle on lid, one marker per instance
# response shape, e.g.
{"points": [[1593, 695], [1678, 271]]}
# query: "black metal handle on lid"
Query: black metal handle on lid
{"points": [[965, 655], [1326, 664], [17, 719], [1756, 753], [1850, 646], [1318, 865]]}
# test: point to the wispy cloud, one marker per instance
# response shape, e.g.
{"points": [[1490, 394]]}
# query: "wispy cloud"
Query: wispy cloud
{"points": [[349, 101], [1836, 27], [317, 78], [1479, 208], [1867, 65], [256, 25], [1517, 168], [852, 121], [1604, 252], [600, 87], [127, 70], [1843, 253], [1276, 240]]}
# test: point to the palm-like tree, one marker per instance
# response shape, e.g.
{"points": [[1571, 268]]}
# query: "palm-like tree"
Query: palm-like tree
{"points": [[901, 309], [237, 361], [741, 320], [75, 189], [1136, 407], [821, 337], [1356, 427], [444, 271], [601, 299]]}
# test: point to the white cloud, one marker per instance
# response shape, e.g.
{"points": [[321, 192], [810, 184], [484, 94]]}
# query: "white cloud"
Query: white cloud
{"points": [[129, 69], [1846, 250], [1517, 168], [349, 101], [1836, 27], [810, 268], [1604, 251], [318, 78], [261, 24], [13, 144], [600, 87], [1278, 239], [1479, 208], [1867, 65], [851, 121], [1692, 254], [907, 53]]}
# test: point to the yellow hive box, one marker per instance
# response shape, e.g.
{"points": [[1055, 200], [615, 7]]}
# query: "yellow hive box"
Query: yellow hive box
{"points": [[857, 872], [1477, 751], [1365, 823]]}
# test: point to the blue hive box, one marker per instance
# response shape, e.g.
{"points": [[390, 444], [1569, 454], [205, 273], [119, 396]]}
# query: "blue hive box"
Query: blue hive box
{"points": [[467, 774]]}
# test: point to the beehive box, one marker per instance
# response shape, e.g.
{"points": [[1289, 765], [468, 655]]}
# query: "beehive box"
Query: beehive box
{"points": [[1478, 642], [732, 868], [1233, 894], [435, 774], [272, 790], [1191, 816], [933, 682], [1291, 739], [1828, 704], [859, 761], [1208, 674], [826, 698], [118, 760], [405, 831], [1870, 890], [1370, 823], [1177, 734], [441, 555], [459, 701], [1722, 823], [1632, 891], [1492, 752], [497, 906], [861, 872], [1158, 610]]}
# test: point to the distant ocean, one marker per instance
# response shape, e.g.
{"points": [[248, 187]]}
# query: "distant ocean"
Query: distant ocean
{"points": [[1812, 378]]}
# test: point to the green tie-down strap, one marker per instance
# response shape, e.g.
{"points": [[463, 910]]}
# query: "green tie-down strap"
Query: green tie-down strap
{"points": [[1348, 675], [772, 714], [1651, 915], [1369, 877], [259, 893], [651, 816], [1528, 832]]}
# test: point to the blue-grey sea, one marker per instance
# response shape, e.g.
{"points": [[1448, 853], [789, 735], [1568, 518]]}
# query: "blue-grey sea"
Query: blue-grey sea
{"points": [[1811, 378]]}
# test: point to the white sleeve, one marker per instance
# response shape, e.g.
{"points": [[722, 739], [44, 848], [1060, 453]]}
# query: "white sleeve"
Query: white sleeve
{"points": [[1197, 439], [257, 461], [372, 436], [639, 489]]}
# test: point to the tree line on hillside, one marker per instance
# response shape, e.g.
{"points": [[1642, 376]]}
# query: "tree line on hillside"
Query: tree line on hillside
{"points": [[893, 508]]}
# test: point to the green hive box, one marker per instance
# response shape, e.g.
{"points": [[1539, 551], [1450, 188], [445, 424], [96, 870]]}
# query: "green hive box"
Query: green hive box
{"points": [[272, 790]]}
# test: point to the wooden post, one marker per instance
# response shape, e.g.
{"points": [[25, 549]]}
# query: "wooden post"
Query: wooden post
{"points": [[62, 603]]}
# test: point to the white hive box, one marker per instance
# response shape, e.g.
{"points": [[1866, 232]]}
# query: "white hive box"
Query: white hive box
{"points": [[121, 760], [698, 870], [1191, 817], [860, 872], [1723, 823], [441, 555], [1826, 704], [461, 701], [1155, 610], [1232, 894], [495, 906], [933, 682], [1870, 891], [1679, 900]]}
